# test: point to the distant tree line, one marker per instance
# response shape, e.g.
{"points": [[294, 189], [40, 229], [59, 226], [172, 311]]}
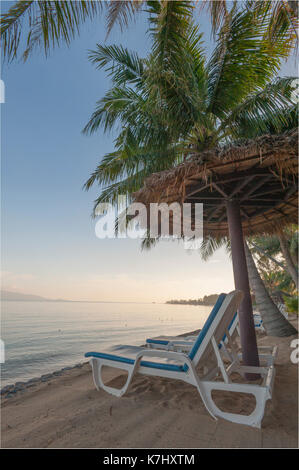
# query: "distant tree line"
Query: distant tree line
{"points": [[206, 300]]}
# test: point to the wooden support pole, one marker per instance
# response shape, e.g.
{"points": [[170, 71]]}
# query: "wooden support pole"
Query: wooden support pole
{"points": [[246, 321]]}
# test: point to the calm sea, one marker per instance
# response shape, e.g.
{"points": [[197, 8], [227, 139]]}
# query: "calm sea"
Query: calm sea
{"points": [[41, 337]]}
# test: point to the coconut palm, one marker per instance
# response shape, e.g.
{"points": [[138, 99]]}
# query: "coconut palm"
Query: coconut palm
{"points": [[45, 24], [274, 322], [175, 103]]}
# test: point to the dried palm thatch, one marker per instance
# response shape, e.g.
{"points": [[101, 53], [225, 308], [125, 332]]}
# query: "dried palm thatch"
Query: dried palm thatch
{"points": [[262, 174]]}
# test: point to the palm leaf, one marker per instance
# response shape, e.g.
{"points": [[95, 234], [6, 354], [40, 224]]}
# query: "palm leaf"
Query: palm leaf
{"points": [[121, 12], [48, 23], [268, 110], [243, 60], [218, 12], [122, 65], [209, 245]]}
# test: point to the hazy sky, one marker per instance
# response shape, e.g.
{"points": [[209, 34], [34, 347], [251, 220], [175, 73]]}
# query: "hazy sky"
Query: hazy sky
{"points": [[49, 246]]}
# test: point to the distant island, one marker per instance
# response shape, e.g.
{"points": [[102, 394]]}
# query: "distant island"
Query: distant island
{"points": [[206, 300], [6, 295], [15, 296]]}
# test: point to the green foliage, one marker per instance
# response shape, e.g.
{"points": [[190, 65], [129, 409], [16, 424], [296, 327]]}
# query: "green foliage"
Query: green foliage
{"points": [[270, 262], [292, 304], [46, 24], [210, 244]]}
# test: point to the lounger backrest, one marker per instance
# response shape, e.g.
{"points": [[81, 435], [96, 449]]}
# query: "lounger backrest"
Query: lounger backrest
{"points": [[218, 321], [207, 325], [231, 327]]}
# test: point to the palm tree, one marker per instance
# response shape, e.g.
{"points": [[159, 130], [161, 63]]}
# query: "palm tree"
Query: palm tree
{"points": [[274, 322], [45, 24], [175, 103]]}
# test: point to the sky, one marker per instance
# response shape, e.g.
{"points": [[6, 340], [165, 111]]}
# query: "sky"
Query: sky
{"points": [[49, 246]]}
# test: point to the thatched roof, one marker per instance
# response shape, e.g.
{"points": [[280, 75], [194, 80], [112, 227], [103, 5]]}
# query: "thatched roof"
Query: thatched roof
{"points": [[262, 174]]}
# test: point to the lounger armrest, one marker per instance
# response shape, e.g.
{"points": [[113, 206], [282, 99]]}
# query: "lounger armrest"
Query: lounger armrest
{"points": [[170, 341], [174, 342], [182, 343], [163, 353]]}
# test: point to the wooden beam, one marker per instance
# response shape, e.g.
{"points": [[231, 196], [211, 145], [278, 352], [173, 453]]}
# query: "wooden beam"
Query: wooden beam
{"points": [[214, 212], [256, 203], [270, 191], [197, 188], [193, 188], [256, 186], [241, 185], [215, 185], [272, 199]]}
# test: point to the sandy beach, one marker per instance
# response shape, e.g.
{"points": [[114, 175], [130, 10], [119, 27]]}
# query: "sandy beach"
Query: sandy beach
{"points": [[66, 411]]}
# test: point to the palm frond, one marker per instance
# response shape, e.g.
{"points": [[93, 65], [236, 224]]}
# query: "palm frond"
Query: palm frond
{"points": [[243, 60], [169, 21], [148, 242], [10, 27], [121, 12], [218, 12], [118, 104], [122, 65], [209, 245], [44, 24], [270, 110], [129, 161], [284, 17]]}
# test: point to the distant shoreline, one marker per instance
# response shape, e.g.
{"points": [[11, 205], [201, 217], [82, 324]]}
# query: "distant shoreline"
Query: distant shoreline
{"points": [[187, 302], [207, 300], [81, 301]]}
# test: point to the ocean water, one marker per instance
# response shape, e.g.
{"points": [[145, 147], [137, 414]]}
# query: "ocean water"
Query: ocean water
{"points": [[41, 337]]}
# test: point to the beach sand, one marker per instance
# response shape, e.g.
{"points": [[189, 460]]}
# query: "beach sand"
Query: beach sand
{"points": [[66, 411]]}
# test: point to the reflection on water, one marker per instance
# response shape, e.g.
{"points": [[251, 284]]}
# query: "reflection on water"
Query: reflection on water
{"points": [[41, 337]]}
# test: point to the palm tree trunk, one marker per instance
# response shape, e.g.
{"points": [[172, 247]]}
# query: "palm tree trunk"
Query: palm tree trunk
{"points": [[274, 322], [287, 256]]}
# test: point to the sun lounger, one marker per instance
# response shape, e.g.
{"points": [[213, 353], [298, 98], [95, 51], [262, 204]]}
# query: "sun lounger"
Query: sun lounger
{"points": [[203, 367], [258, 322], [173, 343], [185, 343]]}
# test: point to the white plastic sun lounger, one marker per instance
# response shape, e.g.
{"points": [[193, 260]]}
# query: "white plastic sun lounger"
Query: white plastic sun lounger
{"points": [[185, 343], [200, 367], [172, 343]]}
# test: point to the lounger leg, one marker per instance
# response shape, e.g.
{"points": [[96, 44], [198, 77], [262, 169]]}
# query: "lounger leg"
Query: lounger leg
{"points": [[97, 378], [254, 419]]}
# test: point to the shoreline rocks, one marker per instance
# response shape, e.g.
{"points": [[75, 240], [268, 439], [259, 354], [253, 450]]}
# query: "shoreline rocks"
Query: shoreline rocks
{"points": [[10, 390]]}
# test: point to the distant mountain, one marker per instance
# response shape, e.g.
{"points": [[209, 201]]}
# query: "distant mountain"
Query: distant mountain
{"points": [[7, 295]]}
